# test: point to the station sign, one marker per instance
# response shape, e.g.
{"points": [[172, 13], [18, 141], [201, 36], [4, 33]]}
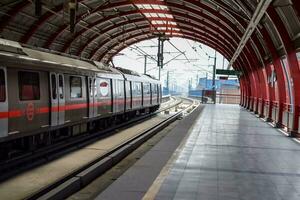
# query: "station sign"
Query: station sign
{"points": [[228, 72]]}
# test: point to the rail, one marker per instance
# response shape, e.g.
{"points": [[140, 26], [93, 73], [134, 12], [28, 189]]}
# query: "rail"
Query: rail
{"points": [[41, 156], [166, 98], [90, 167], [79, 179]]}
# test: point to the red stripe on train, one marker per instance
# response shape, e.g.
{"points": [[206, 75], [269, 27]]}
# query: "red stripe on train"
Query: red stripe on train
{"points": [[11, 114], [44, 110]]}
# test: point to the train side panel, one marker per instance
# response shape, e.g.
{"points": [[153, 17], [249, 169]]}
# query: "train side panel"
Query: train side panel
{"points": [[154, 94], [3, 103], [146, 95], [28, 95], [76, 105], [137, 96], [104, 96], [128, 95], [118, 96]]}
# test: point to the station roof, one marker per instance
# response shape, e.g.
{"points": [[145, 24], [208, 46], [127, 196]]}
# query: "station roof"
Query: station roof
{"points": [[105, 27]]}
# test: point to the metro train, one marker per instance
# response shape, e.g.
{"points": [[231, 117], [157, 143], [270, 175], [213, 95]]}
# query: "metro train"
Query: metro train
{"points": [[46, 96]]}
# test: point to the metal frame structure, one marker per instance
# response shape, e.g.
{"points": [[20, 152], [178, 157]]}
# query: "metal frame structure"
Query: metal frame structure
{"points": [[105, 27]]}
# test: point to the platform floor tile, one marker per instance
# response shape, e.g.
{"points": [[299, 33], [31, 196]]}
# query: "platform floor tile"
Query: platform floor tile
{"points": [[231, 154]]}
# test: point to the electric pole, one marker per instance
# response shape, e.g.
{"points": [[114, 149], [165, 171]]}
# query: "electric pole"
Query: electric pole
{"points": [[160, 53], [214, 76]]}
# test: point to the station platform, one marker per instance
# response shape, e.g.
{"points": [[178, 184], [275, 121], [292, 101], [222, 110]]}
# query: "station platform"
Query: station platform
{"points": [[227, 153]]}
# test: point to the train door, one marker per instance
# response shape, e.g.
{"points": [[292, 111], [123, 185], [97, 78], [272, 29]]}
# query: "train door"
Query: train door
{"points": [[3, 103], [61, 99], [151, 94], [57, 99], [128, 95], [92, 97]]}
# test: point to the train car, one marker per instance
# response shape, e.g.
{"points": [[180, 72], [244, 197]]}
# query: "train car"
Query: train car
{"points": [[110, 91], [147, 93], [45, 96], [43, 91], [142, 91], [155, 92], [151, 93], [133, 85]]}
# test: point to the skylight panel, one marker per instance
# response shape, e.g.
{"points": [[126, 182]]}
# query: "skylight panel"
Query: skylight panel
{"points": [[163, 7], [160, 17], [152, 6], [147, 6], [162, 28], [158, 22], [175, 34], [148, 15], [154, 15], [156, 7], [169, 16]]}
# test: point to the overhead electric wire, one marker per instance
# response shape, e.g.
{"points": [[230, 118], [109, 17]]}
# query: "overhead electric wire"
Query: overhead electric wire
{"points": [[195, 50], [178, 50], [140, 51]]}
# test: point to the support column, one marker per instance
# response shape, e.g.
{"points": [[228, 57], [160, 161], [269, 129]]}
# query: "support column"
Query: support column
{"points": [[214, 78]]}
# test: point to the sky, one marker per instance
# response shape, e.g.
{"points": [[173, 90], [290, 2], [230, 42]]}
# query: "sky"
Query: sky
{"points": [[192, 60]]}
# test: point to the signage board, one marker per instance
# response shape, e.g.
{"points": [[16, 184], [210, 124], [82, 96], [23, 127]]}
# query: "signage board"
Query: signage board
{"points": [[228, 72]]}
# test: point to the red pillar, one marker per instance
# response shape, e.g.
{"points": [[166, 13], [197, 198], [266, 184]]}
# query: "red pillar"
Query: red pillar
{"points": [[293, 68]]}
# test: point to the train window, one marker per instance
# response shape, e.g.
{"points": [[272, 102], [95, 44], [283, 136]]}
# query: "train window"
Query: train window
{"points": [[29, 86], [120, 88], [61, 86], [135, 88], [2, 86], [127, 85], [53, 85], [146, 88], [76, 87], [154, 88], [138, 88]]}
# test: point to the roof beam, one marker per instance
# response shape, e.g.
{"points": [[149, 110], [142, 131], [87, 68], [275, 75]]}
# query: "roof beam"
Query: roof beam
{"points": [[257, 16]]}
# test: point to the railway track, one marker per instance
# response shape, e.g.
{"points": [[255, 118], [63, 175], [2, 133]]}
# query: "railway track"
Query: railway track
{"points": [[37, 157], [115, 153]]}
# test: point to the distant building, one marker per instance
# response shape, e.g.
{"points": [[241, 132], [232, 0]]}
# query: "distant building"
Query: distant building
{"points": [[228, 91], [206, 84]]}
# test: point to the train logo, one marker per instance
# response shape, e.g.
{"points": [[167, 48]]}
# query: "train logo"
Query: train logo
{"points": [[104, 88], [30, 111]]}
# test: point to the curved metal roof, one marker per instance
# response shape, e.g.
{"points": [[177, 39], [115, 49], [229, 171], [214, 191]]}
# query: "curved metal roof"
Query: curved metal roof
{"points": [[105, 27]]}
